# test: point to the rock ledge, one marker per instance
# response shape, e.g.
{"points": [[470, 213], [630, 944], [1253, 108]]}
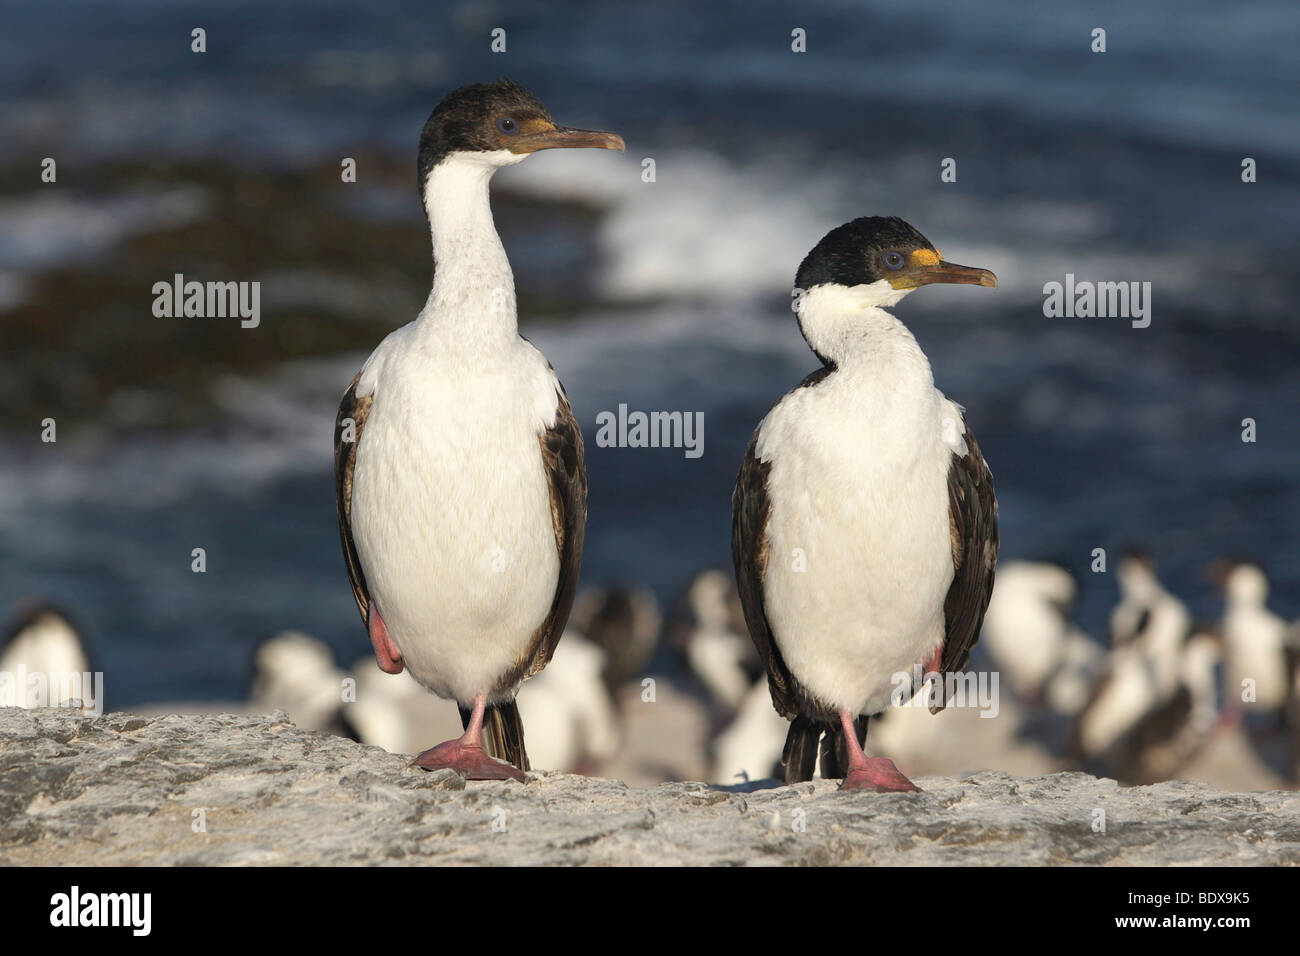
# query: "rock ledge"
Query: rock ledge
{"points": [[184, 790]]}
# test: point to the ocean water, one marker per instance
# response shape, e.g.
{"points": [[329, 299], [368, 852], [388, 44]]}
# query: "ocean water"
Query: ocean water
{"points": [[1116, 166]]}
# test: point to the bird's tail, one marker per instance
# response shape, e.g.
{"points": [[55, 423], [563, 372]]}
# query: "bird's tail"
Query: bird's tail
{"points": [[808, 739], [800, 754], [503, 733]]}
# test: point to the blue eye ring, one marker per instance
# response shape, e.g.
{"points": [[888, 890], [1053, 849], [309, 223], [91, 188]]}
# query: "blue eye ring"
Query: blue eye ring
{"points": [[507, 125], [893, 260]]}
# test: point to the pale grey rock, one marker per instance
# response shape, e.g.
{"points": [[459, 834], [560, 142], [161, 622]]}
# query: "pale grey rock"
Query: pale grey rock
{"points": [[123, 789]]}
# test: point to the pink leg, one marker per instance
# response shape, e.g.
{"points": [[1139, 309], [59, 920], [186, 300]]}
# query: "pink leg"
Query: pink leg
{"points": [[387, 656], [932, 665], [467, 756], [870, 773]]}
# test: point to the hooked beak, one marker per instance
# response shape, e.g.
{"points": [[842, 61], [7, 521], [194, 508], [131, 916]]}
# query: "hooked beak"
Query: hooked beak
{"points": [[564, 137], [925, 267]]}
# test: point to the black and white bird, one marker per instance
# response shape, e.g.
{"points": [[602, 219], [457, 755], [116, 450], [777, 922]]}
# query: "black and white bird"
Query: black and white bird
{"points": [[864, 523], [1143, 692], [624, 622], [296, 673], [1174, 730], [459, 468], [1256, 676], [1031, 637], [571, 703], [708, 633], [1149, 630], [1146, 613], [40, 647]]}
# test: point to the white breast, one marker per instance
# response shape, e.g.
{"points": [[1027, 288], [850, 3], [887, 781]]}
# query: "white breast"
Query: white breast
{"points": [[860, 548], [1255, 640], [717, 655], [451, 509], [48, 647], [1024, 631], [1129, 693], [567, 708]]}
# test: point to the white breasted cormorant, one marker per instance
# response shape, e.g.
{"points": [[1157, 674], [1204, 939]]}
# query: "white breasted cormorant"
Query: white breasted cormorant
{"points": [[864, 524], [462, 492]]}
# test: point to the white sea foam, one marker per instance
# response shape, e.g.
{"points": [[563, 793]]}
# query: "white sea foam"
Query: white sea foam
{"points": [[712, 246], [710, 228], [54, 227]]}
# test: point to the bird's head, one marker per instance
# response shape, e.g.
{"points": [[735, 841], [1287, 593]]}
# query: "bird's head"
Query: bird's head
{"points": [[498, 124], [1136, 575], [886, 253], [871, 262], [1241, 580]]}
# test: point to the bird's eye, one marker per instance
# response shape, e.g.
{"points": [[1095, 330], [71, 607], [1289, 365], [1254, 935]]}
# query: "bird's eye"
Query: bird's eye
{"points": [[507, 125], [893, 260]]}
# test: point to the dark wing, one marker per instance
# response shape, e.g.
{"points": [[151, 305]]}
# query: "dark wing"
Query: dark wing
{"points": [[749, 553], [973, 522], [351, 420], [565, 464]]}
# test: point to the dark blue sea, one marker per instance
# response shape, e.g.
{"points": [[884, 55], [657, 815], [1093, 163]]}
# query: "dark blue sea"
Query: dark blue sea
{"points": [[1119, 166]]}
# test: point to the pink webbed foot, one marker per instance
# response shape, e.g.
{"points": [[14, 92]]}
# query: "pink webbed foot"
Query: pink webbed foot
{"points": [[469, 760], [387, 656], [879, 774]]}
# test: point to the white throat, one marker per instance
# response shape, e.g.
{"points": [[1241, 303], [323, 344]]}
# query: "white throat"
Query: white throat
{"points": [[473, 287], [846, 324]]}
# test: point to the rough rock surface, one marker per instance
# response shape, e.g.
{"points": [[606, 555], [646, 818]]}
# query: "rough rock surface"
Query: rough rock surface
{"points": [[123, 789]]}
